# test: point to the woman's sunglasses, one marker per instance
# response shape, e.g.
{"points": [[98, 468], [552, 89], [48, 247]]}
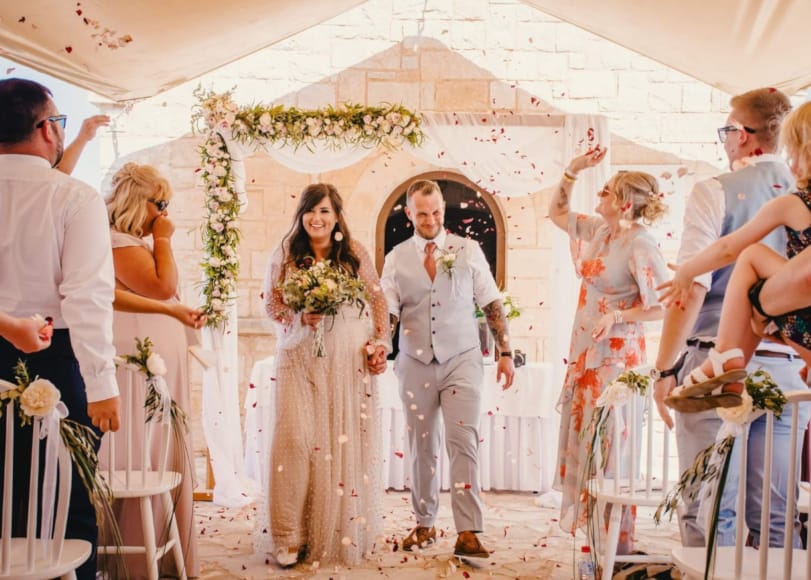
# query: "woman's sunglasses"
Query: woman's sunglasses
{"points": [[161, 204]]}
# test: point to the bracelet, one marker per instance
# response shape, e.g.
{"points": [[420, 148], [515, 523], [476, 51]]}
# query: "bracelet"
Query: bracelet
{"points": [[508, 353], [568, 176], [618, 317]]}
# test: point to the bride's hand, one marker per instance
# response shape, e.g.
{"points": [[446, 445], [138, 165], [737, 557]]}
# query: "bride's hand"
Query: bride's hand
{"points": [[590, 158], [311, 319]]}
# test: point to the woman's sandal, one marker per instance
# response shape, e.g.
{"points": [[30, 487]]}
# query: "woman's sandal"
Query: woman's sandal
{"points": [[697, 383], [698, 404]]}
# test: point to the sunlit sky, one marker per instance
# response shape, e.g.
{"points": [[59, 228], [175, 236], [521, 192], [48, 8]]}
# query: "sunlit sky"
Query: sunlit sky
{"points": [[71, 101]]}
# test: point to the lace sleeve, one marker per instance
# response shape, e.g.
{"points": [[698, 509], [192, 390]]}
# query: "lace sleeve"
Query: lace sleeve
{"points": [[377, 300], [286, 323]]}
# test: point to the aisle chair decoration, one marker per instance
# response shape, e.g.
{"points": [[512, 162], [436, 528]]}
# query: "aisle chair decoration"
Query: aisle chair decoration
{"points": [[160, 411], [616, 394], [712, 463], [37, 402]]}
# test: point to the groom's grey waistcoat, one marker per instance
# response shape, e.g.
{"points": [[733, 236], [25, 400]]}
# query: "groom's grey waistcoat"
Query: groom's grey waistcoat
{"points": [[437, 320]]}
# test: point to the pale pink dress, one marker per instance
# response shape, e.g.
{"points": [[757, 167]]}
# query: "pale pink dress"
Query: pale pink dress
{"points": [[169, 339]]}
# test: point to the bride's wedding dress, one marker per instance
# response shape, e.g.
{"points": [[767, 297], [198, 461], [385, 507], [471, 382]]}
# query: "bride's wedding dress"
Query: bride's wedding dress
{"points": [[324, 483]]}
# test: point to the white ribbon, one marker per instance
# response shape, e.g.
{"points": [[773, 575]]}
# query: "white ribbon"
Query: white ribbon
{"points": [[49, 430], [166, 399], [6, 386]]}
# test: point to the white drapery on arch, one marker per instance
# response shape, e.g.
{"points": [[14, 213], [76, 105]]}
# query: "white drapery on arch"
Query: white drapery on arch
{"points": [[505, 154]]}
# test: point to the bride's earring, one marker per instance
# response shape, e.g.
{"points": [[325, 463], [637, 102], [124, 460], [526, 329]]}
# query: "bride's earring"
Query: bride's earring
{"points": [[338, 236]]}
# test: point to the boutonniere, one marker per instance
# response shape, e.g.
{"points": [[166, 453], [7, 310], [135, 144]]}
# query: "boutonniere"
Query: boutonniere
{"points": [[447, 261]]}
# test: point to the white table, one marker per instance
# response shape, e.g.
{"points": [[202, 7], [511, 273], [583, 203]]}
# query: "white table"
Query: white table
{"points": [[518, 429]]}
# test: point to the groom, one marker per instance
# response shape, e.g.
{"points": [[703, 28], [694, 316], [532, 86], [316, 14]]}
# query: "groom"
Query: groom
{"points": [[432, 283]]}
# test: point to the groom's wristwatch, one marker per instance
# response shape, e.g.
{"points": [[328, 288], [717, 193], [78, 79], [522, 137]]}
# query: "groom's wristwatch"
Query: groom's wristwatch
{"points": [[656, 374]]}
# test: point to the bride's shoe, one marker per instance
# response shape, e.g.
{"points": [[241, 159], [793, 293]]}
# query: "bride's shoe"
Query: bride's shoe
{"points": [[286, 557]]}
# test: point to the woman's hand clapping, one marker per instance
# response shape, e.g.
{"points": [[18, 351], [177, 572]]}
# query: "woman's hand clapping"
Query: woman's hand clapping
{"points": [[603, 327]]}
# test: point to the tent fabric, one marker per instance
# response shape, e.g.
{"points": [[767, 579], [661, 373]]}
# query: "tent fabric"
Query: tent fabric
{"points": [[138, 48], [733, 45], [131, 49]]}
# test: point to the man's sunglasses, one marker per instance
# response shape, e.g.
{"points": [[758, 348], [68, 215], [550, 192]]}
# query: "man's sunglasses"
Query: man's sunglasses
{"points": [[60, 119], [722, 131], [161, 204]]}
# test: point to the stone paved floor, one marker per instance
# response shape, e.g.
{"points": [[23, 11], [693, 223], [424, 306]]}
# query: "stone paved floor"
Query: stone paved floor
{"points": [[525, 539]]}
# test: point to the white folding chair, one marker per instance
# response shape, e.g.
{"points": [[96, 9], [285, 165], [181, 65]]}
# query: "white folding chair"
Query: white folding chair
{"points": [[741, 561], [49, 554], [135, 477], [636, 473]]}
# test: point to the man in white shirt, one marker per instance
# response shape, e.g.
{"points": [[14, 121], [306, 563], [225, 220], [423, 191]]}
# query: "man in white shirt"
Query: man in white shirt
{"points": [[716, 207], [432, 283], [56, 260]]}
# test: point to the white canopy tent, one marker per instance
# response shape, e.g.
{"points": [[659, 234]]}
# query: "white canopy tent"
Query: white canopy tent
{"points": [[129, 50]]}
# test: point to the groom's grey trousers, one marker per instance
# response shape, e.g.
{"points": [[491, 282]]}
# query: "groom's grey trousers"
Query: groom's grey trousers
{"points": [[454, 389]]}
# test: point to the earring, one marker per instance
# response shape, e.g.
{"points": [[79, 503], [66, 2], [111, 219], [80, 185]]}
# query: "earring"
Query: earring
{"points": [[338, 236]]}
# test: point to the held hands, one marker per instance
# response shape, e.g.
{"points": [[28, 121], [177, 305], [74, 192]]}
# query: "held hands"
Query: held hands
{"points": [[376, 360], [590, 158], [676, 291], [505, 368], [661, 389]]}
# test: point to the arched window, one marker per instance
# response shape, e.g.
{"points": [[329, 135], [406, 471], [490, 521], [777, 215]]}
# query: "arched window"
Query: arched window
{"points": [[469, 212]]}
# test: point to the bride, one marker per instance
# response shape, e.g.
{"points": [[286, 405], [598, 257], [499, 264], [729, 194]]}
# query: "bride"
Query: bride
{"points": [[325, 492]]}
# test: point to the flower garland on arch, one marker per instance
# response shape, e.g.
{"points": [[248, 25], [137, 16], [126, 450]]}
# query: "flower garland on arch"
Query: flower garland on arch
{"points": [[216, 114]]}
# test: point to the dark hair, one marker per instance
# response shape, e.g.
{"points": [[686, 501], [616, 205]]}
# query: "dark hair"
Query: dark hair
{"points": [[22, 103], [299, 251]]}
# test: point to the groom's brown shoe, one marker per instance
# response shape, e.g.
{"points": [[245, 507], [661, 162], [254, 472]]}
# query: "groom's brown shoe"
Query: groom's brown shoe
{"points": [[419, 537], [469, 546]]}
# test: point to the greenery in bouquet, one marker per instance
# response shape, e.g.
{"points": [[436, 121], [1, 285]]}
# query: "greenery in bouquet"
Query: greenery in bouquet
{"points": [[321, 288], [761, 394]]}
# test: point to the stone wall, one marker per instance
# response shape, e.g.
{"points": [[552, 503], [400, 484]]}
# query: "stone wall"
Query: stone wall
{"points": [[446, 55]]}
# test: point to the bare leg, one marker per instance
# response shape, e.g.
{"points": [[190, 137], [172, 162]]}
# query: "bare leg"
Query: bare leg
{"points": [[787, 289], [735, 328]]}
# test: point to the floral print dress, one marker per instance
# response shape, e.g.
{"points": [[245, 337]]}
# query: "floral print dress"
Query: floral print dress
{"points": [[618, 271]]}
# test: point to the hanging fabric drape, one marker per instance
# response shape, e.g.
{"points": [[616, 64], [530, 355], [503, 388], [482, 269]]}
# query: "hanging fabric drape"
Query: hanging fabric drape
{"points": [[505, 154]]}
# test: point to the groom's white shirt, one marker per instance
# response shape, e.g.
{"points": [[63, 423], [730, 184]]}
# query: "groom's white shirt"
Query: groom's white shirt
{"points": [[436, 318]]}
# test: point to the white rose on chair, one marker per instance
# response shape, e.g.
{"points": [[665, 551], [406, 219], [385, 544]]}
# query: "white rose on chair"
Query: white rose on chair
{"points": [[155, 364], [39, 398]]}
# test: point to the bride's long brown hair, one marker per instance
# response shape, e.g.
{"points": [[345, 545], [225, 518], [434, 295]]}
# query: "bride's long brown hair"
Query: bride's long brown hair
{"points": [[297, 242]]}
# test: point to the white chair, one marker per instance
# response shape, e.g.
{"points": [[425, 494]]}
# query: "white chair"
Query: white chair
{"points": [[135, 477], [741, 561], [639, 452], [49, 555]]}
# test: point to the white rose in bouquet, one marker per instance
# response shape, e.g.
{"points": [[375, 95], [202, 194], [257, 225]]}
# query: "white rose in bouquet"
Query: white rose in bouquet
{"points": [[39, 398], [155, 364]]}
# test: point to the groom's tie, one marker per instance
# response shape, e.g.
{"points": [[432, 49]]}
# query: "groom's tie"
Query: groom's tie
{"points": [[430, 261]]}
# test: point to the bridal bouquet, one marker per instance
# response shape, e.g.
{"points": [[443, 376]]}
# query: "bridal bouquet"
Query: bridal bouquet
{"points": [[321, 288]]}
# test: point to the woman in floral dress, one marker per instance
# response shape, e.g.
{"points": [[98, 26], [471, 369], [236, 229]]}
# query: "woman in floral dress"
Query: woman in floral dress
{"points": [[620, 266]]}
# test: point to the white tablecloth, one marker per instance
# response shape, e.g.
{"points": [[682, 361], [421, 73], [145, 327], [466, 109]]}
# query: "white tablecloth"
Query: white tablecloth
{"points": [[518, 429]]}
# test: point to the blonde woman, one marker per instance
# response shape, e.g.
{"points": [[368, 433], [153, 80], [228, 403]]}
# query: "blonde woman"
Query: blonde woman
{"points": [[141, 234], [620, 266]]}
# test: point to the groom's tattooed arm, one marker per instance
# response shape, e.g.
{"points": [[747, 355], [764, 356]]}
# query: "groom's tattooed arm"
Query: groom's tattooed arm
{"points": [[497, 322]]}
